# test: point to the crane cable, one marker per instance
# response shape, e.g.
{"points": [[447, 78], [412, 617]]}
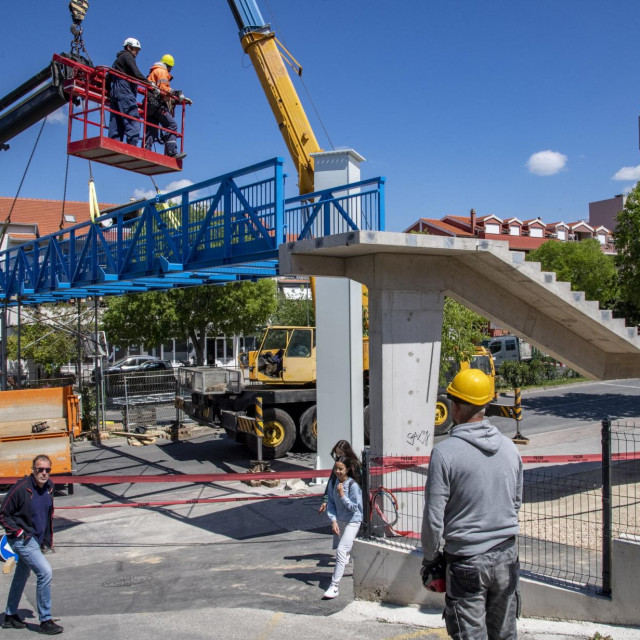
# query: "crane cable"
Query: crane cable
{"points": [[7, 221], [172, 218], [64, 195], [78, 9], [299, 74]]}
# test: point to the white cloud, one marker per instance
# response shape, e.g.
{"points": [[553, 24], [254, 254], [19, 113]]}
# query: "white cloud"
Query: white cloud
{"points": [[147, 194], [59, 116], [142, 194], [177, 184], [628, 173], [547, 163], [628, 189]]}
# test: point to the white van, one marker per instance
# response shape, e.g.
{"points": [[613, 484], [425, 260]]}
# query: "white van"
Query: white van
{"points": [[508, 348]]}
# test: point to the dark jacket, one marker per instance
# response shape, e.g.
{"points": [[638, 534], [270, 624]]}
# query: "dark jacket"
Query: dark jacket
{"points": [[15, 511], [125, 62]]}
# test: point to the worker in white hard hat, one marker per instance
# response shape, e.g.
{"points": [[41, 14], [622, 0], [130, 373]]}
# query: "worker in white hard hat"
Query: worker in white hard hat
{"points": [[472, 497], [161, 106], [123, 93]]}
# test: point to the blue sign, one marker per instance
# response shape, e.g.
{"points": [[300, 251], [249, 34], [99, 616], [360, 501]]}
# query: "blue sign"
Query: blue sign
{"points": [[6, 551]]}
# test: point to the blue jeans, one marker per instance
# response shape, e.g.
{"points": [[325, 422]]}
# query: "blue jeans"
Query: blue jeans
{"points": [[30, 558], [123, 99]]}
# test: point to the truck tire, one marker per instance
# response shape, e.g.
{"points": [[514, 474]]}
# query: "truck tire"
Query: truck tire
{"points": [[279, 434], [309, 428], [367, 426], [443, 420]]}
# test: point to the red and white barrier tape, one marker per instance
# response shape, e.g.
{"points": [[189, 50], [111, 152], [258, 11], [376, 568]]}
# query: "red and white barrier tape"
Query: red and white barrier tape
{"points": [[166, 503], [186, 478]]}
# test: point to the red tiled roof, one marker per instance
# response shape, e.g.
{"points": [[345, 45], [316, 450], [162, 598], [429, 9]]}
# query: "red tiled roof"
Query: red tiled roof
{"points": [[518, 243], [440, 227], [45, 213], [23, 236]]}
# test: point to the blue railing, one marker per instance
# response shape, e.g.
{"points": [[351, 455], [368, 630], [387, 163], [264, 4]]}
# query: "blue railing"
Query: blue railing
{"points": [[351, 207], [223, 229]]}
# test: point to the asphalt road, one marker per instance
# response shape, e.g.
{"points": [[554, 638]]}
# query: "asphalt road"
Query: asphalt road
{"points": [[575, 405]]}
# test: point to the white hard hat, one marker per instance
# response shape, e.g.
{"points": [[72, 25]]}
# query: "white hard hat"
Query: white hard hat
{"points": [[132, 42]]}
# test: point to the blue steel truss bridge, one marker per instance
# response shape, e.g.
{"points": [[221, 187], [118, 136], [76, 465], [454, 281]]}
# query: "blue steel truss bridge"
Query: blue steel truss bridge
{"points": [[221, 230]]}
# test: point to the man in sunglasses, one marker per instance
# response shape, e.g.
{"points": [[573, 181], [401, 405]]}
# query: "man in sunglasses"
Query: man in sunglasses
{"points": [[27, 517]]}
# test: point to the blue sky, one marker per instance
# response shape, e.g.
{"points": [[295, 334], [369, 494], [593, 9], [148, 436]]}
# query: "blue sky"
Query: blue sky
{"points": [[514, 108]]}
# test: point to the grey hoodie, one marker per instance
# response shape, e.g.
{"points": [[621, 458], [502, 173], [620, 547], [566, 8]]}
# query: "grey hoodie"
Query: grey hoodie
{"points": [[473, 491]]}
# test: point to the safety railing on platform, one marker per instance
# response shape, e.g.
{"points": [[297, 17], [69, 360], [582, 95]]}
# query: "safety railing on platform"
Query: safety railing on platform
{"points": [[222, 229], [568, 519]]}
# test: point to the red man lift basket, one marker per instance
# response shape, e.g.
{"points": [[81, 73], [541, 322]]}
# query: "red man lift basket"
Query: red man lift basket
{"points": [[89, 112]]}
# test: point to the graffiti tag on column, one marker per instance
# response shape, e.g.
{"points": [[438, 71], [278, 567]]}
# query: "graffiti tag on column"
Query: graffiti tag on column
{"points": [[418, 437]]}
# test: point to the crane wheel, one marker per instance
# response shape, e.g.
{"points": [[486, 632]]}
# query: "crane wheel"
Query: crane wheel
{"points": [[443, 420], [309, 428], [279, 434]]}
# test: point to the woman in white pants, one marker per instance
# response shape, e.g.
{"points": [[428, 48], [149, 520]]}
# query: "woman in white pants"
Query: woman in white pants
{"points": [[344, 508]]}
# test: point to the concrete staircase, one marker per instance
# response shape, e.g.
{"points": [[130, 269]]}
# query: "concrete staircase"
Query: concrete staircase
{"points": [[487, 277]]}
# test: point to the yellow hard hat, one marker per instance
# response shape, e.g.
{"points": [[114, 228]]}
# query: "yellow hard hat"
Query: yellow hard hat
{"points": [[167, 58], [472, 386]]}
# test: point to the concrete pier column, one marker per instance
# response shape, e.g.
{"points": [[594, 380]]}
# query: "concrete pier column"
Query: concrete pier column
{"points": [[338, 326], [406, 304]]}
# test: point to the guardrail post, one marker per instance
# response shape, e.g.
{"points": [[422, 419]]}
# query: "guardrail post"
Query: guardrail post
{"points": [[259, 426], [366, 498], [606, 507]]}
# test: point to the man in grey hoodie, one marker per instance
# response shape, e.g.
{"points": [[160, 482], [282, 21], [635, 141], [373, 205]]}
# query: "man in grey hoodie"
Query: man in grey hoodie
{"points": [[472, 497]]}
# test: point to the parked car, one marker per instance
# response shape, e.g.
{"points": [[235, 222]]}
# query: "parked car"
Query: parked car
{"points": [[125, 365], [153, 376]]}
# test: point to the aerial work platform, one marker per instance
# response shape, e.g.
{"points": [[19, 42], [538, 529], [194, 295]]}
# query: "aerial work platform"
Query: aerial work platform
{"points": [[70, 79]]}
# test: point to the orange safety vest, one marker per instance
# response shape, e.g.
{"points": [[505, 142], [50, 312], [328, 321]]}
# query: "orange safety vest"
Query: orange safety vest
{"points": [[160, 76]]}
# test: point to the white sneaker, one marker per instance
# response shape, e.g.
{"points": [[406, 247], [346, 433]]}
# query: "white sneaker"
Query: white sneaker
{"points": [[331, 592]]}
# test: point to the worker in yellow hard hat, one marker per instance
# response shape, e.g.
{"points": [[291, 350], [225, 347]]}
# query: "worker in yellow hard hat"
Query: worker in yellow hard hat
{"points": [[472, 497], [161, 106]]}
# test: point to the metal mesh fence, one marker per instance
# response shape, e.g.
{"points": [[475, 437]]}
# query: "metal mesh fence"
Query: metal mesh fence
{"points": [[561, 528], [625, 479], [564, 534], [141, 400]]}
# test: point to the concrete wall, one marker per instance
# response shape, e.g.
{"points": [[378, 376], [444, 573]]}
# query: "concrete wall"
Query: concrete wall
{"points": [[386, 574]]}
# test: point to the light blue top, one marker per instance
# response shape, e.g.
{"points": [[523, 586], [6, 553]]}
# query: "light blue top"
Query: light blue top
{"points": [[347, 508]]}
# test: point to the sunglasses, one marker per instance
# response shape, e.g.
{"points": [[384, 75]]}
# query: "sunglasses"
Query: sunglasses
{"points": [[43, 469]]}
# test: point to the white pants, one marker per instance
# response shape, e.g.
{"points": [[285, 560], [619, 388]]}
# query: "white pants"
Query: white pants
{"points": [[343, 544]]}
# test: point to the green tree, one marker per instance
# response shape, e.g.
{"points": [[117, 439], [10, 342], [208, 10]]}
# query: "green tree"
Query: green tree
{"points": [[627, 242], [462, 330], [293, 312], [48, 347], [156, 317], [584, 265]]}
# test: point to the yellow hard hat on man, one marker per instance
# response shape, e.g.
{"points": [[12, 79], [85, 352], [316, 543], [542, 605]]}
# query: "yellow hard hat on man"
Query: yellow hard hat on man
{"points": [[471, 386], [167, 59]]}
